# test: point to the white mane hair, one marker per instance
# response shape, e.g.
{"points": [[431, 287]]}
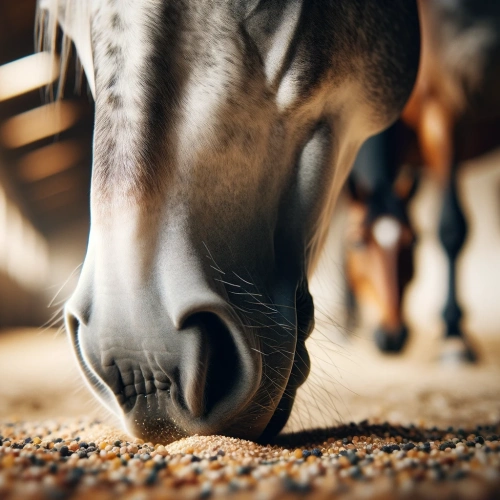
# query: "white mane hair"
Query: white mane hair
{"points": [[73, 16]]}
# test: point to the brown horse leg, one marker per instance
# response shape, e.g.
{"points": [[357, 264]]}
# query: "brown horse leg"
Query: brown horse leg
{"points": [[436, 133], [452, 233]]}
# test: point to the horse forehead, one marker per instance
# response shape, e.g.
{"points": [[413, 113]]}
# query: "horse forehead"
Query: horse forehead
{"points": [[164, 74], [163, 93]]}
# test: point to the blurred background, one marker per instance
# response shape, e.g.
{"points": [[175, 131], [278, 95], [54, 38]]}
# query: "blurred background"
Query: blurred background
{"points": [[45, 166], [45, 161]]}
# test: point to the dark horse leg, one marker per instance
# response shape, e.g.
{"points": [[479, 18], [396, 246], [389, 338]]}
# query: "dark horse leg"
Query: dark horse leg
{"points": [[452, 233]]}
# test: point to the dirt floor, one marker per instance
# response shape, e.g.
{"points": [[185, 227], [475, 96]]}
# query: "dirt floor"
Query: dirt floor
{"points": [[41, 391]]}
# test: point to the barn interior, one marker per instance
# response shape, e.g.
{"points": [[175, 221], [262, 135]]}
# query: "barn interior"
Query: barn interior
{"points": [[45, 171]]}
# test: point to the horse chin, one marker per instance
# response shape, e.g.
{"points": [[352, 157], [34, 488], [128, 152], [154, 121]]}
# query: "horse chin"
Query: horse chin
{"points": [[153, 422], [156, 419], [155, 427]]}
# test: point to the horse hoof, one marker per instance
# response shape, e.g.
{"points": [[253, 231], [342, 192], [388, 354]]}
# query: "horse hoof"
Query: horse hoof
{"points": [[456, 351], [391, 342]]}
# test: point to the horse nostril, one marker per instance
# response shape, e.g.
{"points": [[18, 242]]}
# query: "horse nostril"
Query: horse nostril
{"points": [[216, 374]]}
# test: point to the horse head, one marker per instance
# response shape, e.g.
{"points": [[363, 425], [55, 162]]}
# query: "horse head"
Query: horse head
{"points": [[224, 130]]}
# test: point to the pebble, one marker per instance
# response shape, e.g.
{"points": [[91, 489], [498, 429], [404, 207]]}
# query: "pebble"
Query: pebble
{"points": [[62, 460], [64, 451]]}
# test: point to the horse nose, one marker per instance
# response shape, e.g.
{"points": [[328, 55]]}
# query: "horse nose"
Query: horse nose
{"points": [[212, 368]]}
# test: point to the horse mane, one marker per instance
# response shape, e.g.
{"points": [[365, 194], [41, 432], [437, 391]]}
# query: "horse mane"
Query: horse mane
{"points": [[50, 15]]}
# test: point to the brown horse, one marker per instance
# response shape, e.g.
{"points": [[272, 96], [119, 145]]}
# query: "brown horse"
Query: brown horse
{"points": [[453, 114]]}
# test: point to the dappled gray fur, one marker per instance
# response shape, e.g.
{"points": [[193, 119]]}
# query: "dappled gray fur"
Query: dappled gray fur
{"points": [[224, 131]]}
